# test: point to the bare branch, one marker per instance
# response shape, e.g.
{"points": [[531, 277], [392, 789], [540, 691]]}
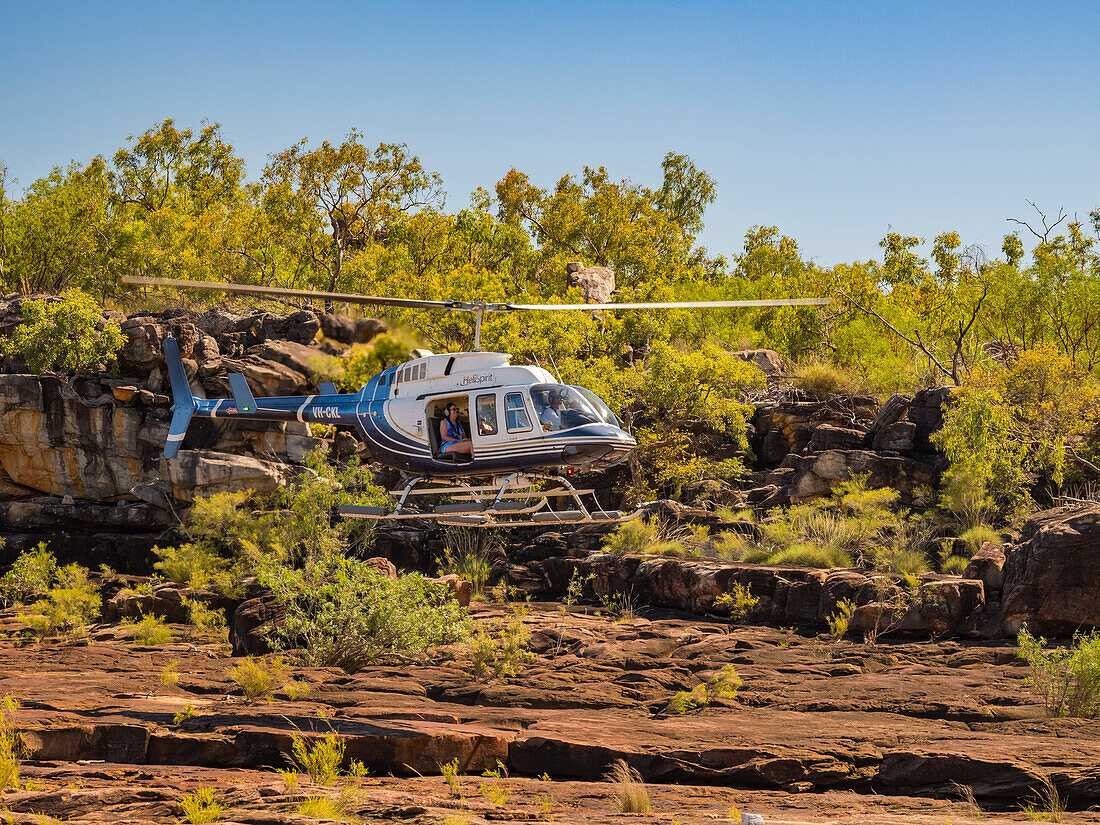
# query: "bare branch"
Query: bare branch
{"points": [[917, 344]]}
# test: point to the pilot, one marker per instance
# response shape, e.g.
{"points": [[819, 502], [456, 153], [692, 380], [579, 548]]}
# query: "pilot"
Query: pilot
{"points": [[452, 434], [551, 416]]}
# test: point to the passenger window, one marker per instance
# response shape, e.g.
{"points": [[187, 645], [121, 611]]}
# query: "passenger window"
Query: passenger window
{"points": [[515, 413], [487, 414]]}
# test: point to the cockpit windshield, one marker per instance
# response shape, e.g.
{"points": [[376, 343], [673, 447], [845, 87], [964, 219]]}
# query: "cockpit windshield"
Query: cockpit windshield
{"points": [[561, 407]]}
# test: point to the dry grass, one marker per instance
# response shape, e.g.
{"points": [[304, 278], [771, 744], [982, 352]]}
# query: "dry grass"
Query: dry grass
{"points": [[630, 793]]}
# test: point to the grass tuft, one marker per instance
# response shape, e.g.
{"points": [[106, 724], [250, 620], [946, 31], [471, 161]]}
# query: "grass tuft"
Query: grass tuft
{"points": [[201, 806], [630, 793]]}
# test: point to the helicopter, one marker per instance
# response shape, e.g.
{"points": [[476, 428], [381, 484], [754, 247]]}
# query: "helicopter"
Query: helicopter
{"points": [[527, 431]]}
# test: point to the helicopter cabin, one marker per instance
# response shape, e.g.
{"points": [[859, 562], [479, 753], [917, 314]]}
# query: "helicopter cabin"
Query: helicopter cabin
{"points": [[494, 398]]}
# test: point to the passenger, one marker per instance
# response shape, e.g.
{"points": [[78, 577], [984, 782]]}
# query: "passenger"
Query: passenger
{"points": [[452, 434], [551, 416]]}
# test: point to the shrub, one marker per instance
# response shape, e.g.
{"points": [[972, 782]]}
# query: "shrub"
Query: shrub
{"points": [[810, 555], [954, 565], [823, 379], [1067, 679], [838, 621], [69, 607], [500, 653], [728, 546], [723, 685], [321, 807], [191, 564], [151, 630], [256, 679], [450, 775], [468, 553], [169, 674], [33, 572], [630, 793], [67, 334], [188, 712], [206, 619], [631, 537], [201, 806], [738, 602], [345, 614], [320, 758], [11, 746], [978, 535]]}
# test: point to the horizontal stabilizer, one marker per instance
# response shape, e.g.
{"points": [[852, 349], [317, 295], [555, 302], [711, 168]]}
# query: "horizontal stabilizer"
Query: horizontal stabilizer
{"points": [[327, 388], [183, 402], [242, 395]]}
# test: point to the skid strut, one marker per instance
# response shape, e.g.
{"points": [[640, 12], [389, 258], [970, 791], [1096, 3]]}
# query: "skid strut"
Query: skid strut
{"points": [[512, 502]]}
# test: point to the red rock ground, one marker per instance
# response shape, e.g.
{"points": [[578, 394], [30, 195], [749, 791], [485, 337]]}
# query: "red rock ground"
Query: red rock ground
{"points": [[819, 732]]}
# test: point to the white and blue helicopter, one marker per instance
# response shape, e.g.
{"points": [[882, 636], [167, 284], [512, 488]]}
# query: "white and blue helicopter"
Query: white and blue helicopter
{"points": [[527, 432]]}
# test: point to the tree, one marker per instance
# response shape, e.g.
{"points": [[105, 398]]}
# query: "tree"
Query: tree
{"points": [[331, 201], [66, 334]]}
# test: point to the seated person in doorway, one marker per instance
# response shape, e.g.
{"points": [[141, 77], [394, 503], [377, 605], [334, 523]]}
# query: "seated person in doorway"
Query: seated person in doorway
{"points": [[551, 416], [452, 434]]}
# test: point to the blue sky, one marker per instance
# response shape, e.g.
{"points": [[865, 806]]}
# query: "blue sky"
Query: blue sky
{"points": [[834, 121]]}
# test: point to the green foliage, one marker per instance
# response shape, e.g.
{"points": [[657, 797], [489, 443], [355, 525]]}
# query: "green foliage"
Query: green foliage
{"points": [[1007, 429], [68, 607], [150, 630], [258, 679], [631, 796], [187, 713], [468, 553], [838, 622], [11, 746], [321, 758], [738, 602], [978, 535], [65, 335], [723, 685], [201, 806], [206, 620], [823, 379], [450, 775], [500, 650], [1066, 679], [194, 565], [321, 807], [169, 674], [33, 572]]}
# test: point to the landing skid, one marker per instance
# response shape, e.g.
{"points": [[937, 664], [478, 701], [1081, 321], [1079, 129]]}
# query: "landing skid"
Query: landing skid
{"points": [[514, 502]]}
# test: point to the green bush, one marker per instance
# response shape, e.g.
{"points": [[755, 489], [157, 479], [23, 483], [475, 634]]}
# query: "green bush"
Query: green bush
{"points": [[497, 651], [978, 535], [321, 758], [345, 614], [954, 565], [738, 602], [11, 746], [150, 631], [1067, 679], [66, 335], [824, 379], [205, 619], [33, 572], [193, 565], [201, 806], [68, 607], [258, 679], [723, 685]]}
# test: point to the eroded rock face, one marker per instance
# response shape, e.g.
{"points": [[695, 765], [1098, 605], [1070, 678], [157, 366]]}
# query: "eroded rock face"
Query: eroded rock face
{"points": [[58, 442], [595, 282], [816, 474], [196, 473], [1052, 575]]}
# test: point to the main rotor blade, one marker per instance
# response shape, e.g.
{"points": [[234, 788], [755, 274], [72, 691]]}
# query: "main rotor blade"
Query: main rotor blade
{"points": [[278, 292], [767, 302]]}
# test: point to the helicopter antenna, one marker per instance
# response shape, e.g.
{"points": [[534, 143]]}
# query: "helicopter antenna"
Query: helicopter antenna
{"points": [[550, 355]]}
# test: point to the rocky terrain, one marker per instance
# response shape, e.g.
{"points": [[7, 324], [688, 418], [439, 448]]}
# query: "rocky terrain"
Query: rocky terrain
{"points": [[820, 731]]}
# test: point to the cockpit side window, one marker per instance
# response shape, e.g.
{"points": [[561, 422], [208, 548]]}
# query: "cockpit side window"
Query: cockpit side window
{"points": [[487, 414], [515, 413]]}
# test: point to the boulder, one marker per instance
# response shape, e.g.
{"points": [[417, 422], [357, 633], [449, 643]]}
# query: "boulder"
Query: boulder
{"points": [[252, 623], [595, 282], [896, 438], [338, 327], [817, 474], [268, 377], [768, 360], [366, 329], [195, 473], [988, 566], [926, 412], [1052, 574], [831, 437], [298, 357]]}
